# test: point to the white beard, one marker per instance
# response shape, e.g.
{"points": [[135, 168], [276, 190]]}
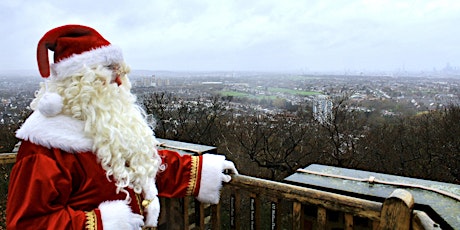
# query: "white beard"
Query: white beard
{"points": [[122, 139]]}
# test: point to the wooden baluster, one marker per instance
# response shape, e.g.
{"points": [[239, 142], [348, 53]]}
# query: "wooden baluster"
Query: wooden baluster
{"points": [[321, 218], [397, 210], [202, 215], [275, 214], [162, 219], [297, 216], [235, 204], [215, 216], [174, 214], [187, 201], [375, 224], [237, 208], [348, 221], [255, 211]]}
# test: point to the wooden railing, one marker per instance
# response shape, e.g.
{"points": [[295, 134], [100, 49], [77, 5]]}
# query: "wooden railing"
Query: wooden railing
{"points": [[7, 158], [254, 203]]}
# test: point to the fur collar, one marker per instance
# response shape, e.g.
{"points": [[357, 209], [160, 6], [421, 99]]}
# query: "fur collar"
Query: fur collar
{"points": [[62, 132]]}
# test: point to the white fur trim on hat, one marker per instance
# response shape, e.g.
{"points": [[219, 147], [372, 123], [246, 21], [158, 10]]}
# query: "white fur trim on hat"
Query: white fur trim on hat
{"points": [[50, 104], [105, 55]]}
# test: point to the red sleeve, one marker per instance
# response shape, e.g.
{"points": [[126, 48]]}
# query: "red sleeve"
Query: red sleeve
{"points": [[38, 192], [179, 176]]}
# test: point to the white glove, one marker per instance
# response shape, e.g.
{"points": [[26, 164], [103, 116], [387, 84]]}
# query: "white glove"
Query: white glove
{"points": [[228, 167], [118, 215]]}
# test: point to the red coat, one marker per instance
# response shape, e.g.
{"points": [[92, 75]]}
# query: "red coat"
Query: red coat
{"points": [[53, 189], [57, 182]]}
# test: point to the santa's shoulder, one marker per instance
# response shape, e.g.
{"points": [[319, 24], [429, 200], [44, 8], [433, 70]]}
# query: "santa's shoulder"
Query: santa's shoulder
{"points": [[61, 131]]}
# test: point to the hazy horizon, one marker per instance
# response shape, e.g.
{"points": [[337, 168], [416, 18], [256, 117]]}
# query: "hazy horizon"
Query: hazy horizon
{"points": [[203, 73], [237, 35]]}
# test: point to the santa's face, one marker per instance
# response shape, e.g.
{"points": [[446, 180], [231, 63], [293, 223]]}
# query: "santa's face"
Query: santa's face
{"points": [[117, 73]]}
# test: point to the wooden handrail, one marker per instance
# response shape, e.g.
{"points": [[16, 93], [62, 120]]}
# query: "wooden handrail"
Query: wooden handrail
{"points": [[7, 158], [396, 212], [421, 220], [328, 200]]}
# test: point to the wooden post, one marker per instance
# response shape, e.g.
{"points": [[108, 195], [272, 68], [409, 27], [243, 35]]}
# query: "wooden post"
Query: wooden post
{"points": [[321, 218], [397, 211], [215, 216], [162, 220], [375, 224], [235, 203], [348, 221], [297, 216], [187, 210], [175, 214], [254, 204], [275, 214], [201, 215]]}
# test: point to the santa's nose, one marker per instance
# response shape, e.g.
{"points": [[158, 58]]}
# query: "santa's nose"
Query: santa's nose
{"points": [[118, 80]]}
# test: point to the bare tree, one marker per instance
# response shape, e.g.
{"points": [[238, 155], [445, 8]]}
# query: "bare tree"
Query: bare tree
{"points": [[342, 131], [277, 143], [194, 120], [422, 146], [451, 148]]}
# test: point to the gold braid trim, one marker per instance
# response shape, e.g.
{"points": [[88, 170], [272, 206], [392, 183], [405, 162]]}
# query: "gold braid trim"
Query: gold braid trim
{"points": [[193, 175], [91, 220], [138, 199]]}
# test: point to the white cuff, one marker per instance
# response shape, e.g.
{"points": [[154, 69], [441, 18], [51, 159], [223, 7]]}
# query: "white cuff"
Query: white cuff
{"points": [[118, 215], [152, 211], [211, 178]]}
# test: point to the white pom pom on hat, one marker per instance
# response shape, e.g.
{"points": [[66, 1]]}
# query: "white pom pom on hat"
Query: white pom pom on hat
{"points": [[50, 104]]}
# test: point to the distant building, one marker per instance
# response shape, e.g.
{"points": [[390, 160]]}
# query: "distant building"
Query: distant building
{"points": [[151, 81], [322, 108], [212, 83]]}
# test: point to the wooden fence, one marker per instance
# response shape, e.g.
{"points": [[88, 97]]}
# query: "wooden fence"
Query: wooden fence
{"points": [[254, 203]]}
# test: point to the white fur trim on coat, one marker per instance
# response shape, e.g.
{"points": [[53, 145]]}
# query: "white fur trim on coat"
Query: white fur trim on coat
{"points": [[152, 211], [105, 55], [211, 178], [118, 215], [62, 132]]}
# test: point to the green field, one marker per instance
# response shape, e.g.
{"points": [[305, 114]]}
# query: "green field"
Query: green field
{"points": [[273, 90], [293, 92], [233, 94]]}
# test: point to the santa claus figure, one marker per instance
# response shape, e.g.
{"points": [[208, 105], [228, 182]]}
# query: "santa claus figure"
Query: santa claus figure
{"points": [[89, 158]]}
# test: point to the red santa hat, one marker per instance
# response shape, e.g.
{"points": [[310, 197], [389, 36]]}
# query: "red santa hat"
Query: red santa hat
{"points": [[75, 47]]}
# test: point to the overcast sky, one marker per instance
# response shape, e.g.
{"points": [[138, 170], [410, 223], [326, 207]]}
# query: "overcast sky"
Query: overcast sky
{"points": [[240, 35]]}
